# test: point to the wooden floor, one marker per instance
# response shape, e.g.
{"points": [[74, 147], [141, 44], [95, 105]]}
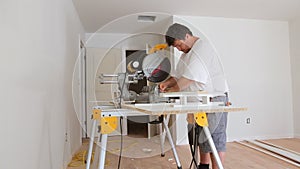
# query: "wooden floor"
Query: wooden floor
{"points": [[147, 155]]}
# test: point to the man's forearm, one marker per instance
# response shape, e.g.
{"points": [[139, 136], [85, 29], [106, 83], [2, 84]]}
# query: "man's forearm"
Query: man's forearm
{"points": [[183, 83], [172, 81]]}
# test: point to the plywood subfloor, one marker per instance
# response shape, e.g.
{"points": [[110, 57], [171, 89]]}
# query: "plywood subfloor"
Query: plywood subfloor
{"points": [[237, 156]]}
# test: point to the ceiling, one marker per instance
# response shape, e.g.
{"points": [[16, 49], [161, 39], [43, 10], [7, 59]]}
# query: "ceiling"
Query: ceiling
{"points": [[95, 14]]}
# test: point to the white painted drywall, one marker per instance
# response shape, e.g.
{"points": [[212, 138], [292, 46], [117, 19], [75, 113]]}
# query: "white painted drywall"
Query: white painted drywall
{"points": [[295, 62], [39, 47], [255, 55]]}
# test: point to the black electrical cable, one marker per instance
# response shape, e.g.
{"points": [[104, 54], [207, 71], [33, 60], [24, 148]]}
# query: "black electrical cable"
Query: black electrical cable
{"points": [[121, 121], [121, 146], [195, 143]]}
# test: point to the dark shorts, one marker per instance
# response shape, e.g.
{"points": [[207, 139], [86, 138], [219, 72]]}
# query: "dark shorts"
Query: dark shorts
{"points": [[217, 124]]}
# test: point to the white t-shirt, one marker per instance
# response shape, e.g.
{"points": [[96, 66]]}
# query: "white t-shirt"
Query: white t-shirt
{"points": [[202, 65]]}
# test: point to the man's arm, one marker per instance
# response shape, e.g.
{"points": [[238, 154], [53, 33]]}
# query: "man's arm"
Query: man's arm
{"points": [[184, 83], [167, 84], [173, 85]]}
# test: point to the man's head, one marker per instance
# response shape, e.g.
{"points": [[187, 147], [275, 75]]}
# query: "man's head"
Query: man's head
{"points": [[180, 37]]}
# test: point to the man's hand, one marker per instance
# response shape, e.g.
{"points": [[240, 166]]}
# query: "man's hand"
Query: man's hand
{"points": [[174, 88], [166, 85], [163, 87], [174, 85]]}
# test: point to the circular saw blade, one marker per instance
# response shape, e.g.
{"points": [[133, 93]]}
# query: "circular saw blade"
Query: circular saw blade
{"points": [[156, 67]]}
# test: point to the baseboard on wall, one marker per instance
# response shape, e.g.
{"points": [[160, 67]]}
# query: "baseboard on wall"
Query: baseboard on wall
{"points": [[297, 136], [261, 138]]}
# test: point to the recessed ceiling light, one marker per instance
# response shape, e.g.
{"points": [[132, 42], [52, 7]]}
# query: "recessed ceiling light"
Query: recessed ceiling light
{"points": [[146, 18]]}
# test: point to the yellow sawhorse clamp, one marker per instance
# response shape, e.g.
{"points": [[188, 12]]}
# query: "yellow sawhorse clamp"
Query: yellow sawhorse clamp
{"points": [[201, 119], [108, 124]]}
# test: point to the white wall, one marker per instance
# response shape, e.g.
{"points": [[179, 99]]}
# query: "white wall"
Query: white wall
{"points": [[295, 62], [39, 47], [256, 59]]}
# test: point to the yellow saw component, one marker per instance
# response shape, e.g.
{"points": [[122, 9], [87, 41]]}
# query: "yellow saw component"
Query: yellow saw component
{"points": [[158, 47], [108, 124]]}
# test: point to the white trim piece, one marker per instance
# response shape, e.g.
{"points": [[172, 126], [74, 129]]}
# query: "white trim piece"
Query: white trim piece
{"points": [[297, 136], [286, 154], [271, 154], [197, 93], [280, 147], [196, 104], [232, 139]]}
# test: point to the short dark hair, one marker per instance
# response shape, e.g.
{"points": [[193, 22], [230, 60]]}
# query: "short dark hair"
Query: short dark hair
{"points": [[176, 31]]}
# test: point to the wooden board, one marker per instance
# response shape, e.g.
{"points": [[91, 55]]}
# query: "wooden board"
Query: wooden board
{"points": [[167, 108]]}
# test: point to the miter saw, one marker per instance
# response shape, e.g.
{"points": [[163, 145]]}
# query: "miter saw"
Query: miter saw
{"points": [[144, 71]]}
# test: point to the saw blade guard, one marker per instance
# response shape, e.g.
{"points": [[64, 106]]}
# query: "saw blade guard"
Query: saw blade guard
{"points": [[156, 67]]}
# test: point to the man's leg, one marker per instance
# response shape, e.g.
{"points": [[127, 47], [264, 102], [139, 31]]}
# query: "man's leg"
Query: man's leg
{"points": [[214, 162], [204, 160], [219, 138]]}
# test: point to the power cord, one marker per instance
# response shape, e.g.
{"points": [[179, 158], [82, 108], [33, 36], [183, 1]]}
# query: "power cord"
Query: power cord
{"points": [[121, 146], [194, 134], [121, 119], [80, 159]]}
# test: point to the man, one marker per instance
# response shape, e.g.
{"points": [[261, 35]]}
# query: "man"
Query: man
{"points": [[199, 68]]}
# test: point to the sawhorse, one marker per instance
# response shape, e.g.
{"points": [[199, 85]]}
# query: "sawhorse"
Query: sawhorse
{"points": [[108, 122]]}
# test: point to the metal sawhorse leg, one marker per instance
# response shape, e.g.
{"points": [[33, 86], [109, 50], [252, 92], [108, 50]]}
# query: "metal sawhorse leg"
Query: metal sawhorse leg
{"points": [[108, 125]]}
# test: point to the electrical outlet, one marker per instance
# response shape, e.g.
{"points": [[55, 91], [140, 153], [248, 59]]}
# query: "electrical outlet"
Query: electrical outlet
{"points": [[66, 137], [248, 120]]}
